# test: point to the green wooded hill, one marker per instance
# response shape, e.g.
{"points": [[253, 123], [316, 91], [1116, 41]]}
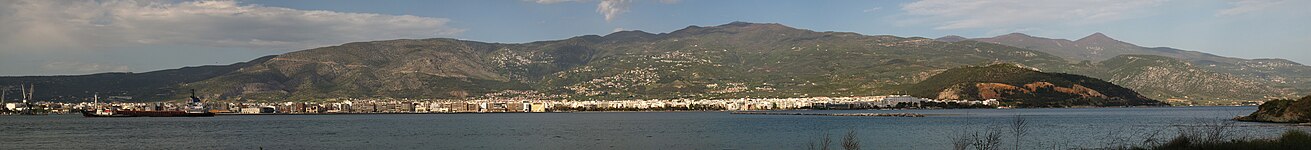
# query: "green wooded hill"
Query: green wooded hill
{"points": [[1282, 111], [1024, 87]]}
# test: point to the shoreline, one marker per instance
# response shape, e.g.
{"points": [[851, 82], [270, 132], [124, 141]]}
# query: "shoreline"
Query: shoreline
{"points": [[390, 113], [730, 111]]}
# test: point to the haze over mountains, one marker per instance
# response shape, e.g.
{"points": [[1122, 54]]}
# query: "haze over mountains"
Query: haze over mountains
{"points": [[734, 60]]}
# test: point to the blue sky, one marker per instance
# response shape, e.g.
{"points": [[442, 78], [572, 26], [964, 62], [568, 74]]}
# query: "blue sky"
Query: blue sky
{"points": [[81, 37]]}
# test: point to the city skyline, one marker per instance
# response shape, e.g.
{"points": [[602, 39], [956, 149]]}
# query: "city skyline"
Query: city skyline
{"points": [[84, 37]]}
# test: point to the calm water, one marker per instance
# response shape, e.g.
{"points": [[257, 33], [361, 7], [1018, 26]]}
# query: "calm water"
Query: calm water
{"points": [[1062, 128]]}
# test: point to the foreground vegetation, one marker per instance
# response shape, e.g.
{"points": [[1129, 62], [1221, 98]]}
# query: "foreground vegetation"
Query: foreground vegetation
{"points": [[1216, 135], [1290, 140]]}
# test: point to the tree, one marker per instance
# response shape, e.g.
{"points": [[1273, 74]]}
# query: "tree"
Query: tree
{"points": [[1019, 127], [850, 142]]}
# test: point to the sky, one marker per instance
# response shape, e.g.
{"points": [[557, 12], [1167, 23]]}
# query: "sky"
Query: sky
{"points": [[44, 37]]}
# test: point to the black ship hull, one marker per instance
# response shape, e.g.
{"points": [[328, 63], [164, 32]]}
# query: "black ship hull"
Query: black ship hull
{"points": [[147, 114]]}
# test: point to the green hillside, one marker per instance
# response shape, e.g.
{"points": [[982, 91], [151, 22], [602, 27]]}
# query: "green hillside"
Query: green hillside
{"points": [[1282, 111], [1025, 87]]}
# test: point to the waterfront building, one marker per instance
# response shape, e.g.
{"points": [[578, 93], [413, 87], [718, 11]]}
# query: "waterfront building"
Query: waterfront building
{"points": [[537, 107], [892, 100], [422, 107], [406, 107], [250, 110], [526, 105], [515, 107]]}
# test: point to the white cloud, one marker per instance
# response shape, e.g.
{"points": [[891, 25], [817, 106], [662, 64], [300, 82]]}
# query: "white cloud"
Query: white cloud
{"points": [[872, 9], [612, 8], [954, 14], [63, 66], [553, 1], [616, 30], [1246, 6], [38, 25]]}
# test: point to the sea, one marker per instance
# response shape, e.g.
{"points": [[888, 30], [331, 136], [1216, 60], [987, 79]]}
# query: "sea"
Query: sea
{"points": [[1050, 128]]}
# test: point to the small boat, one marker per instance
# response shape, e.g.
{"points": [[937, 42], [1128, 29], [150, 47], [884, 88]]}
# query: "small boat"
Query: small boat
{"points": [[195, 108]]}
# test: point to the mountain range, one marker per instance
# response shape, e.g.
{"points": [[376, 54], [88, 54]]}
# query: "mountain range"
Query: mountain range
{"points": [[1164, 72], [734, 60]]}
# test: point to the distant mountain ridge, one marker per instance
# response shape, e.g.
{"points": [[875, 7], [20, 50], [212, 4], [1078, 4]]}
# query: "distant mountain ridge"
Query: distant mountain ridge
{"points": [[727, 61], [1188, 72], [155, 85], [734, 60]]}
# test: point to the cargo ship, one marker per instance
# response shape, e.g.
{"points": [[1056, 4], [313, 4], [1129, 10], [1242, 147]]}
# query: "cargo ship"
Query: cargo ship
{"points": [[194, 108]]}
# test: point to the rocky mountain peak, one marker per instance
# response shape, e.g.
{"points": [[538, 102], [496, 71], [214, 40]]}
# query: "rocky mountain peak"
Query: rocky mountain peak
{"points": [[1015, 35], [1098, 39], [736, 26], [631, 34], [951, 38], [1012, 37], [750, 24]]}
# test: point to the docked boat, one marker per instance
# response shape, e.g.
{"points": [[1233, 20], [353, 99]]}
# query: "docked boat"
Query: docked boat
{"points": [[134, 113], [195, 108]]}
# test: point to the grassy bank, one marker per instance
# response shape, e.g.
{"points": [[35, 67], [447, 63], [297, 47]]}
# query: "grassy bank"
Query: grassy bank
{"points": [[1290, 140], [1203, 135]]}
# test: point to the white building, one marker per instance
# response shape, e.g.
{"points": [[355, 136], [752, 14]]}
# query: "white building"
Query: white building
{"points": [[892, 100]]}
